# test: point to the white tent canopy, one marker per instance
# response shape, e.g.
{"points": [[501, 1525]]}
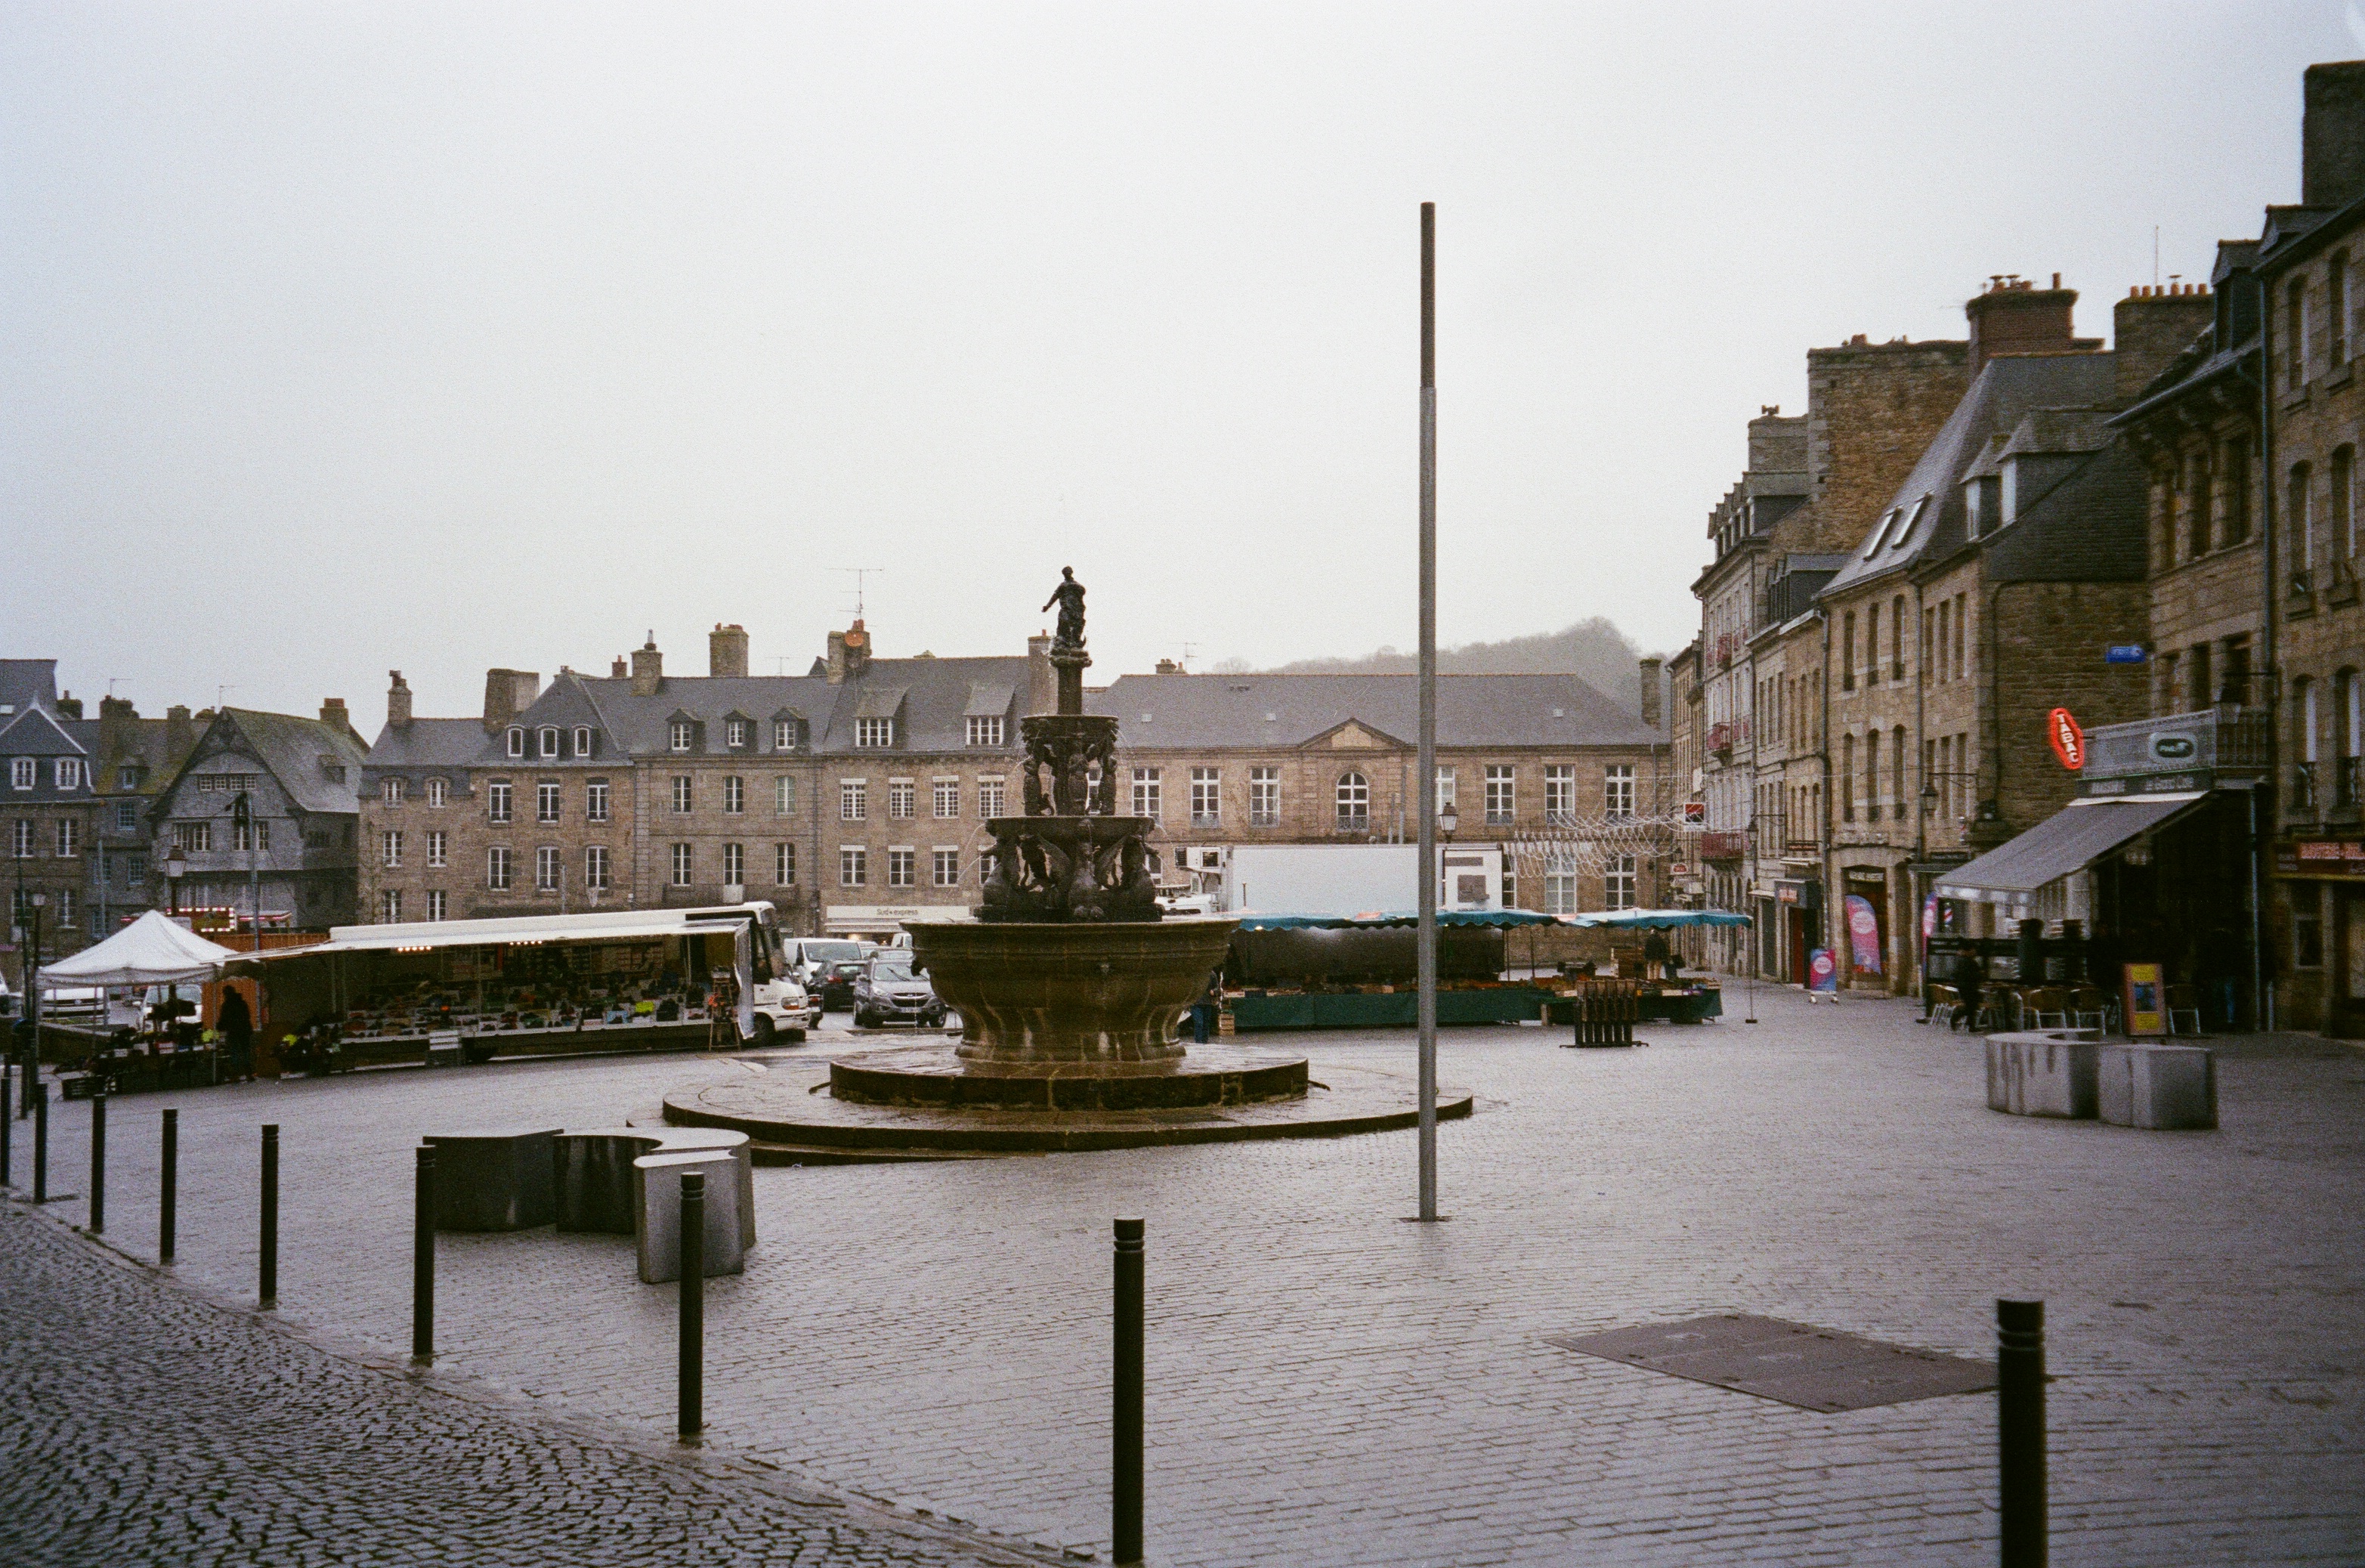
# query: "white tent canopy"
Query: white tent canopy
{"points": [[154, 949]]}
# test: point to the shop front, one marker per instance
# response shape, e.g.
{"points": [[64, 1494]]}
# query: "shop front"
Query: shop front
{"points": [[1867, 953], [1799, 908], [2321, 880]]}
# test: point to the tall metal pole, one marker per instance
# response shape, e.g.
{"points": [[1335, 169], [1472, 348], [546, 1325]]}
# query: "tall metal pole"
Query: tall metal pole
{"points": [[1425, 946]]}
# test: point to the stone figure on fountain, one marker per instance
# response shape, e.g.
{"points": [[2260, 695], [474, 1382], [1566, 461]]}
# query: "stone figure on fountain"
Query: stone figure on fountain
{"points": [[1069, 597]]}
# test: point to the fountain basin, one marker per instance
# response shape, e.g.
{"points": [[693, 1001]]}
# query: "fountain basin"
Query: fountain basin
{"points": [[1109, 993]]}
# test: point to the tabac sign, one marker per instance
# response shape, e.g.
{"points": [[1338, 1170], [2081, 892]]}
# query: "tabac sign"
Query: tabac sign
{"points": [[2068, 742]]}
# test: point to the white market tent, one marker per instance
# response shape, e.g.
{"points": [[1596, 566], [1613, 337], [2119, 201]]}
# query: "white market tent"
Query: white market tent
{"points": [[154, 949]]}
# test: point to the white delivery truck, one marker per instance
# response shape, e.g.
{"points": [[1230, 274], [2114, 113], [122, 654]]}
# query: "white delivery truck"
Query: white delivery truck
{"points": [[1355, 879]]}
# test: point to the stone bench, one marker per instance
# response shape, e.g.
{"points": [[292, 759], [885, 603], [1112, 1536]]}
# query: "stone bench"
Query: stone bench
{"points": [[657, 1181], [598, 1190], [2165, 1088], [2042, 1072], [494, 1178]]}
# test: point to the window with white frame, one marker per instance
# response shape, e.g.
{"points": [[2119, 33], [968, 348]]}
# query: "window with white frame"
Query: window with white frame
{"points": [[985, 729], [389, 848], [20, 840], [853, 866], [438, 791], [496, 867], [69, 838], [735, 732], [1206, 797], [990, 797], [23, 773], [1560, 792], [735, 865], [583, 740], [1618, 884], [548, 738], [596, 875], [1264, 796], [1354, 800], [947, 867], [192, 838], [1444, 788], [1147, 792], [1560, 892], [389, 907], [784, 865], [784, 734], [435, 847], [681, 864], [784, 796], [545, 801], [595, 800], [1502, 794], [900, 866], [497, 802], [901, 797], [734, 796], [874, 733], [517, 740], [253, 834], [1617, 789], [389, 791], [545, 868], [126, 816], [947, 796], [681, 794], [68, 773], [435, 904], [853, 799], [679, 734]]}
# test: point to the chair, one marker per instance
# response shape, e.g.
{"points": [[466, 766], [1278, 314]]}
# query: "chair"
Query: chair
{"points": [[1945, 1006], [2047, 1007], [2184, 1002], [2002, 1007], [2089, 1007]]}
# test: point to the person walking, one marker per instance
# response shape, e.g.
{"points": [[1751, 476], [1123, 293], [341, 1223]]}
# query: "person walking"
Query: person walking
{"points": [[235, 1025]]}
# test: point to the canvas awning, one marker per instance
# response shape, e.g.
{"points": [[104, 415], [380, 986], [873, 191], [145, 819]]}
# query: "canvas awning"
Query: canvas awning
{"points": [[154, 949], [2070, 840], [1657, 919], [1384, 918]]}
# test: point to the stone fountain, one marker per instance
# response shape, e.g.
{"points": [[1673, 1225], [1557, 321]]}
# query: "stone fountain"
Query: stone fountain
{"points": [[1070, 988]]}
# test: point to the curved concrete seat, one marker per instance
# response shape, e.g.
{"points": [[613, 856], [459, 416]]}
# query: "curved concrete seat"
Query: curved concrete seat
{"points": [[2042, 1072], [598, 1191], [657, 1181], [494, 1177]]}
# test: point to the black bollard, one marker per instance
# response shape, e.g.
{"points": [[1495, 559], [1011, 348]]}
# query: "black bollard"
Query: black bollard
{"points": [[422, 1261], [2020, 1431], [41, 1143], [692, 1372], [97, 1164], [7, 1127], [266, 1290], [1124, 1489], [168, 1197]]}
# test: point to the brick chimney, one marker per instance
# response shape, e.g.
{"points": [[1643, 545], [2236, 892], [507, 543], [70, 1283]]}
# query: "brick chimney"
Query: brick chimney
{"points": [[2332, 134], [849, 652], [2015, 317], [648, 668], [1649, 669], [333, 714], [1167, 667], [68, 706], [616, 669], [508, 693], [397, 703], [2150, 327], [726, 650]]}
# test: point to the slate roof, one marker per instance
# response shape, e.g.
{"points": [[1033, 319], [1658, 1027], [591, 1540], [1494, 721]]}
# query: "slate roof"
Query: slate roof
{"points": [[291, 747], [1211, 712], [2004, 392], [26, 682], [428, 742], [37, 732], [2089, 528]]}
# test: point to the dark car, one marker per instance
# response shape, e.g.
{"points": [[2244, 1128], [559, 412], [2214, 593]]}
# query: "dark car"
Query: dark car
{"points": [[887, 991], [826, 968]]}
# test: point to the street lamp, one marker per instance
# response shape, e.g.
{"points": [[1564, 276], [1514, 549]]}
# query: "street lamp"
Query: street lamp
{"points": [[1447, 819], [33, 967], [177, 865]]}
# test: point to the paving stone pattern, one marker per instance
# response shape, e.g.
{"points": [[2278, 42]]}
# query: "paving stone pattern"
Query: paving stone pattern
{"points": [[1328, 1384]]}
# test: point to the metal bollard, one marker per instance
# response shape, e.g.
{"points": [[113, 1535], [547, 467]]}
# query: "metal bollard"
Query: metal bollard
{"points": [[7, 1126], [692, 1375], [422, 1261], [41, 1144], [266, 1290], [2020, 1431], [1124, 1489], [97, 1164], [168, 1198]]}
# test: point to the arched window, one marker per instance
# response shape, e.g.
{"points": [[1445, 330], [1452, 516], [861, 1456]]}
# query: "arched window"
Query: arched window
{"points": [[2303, 716], [2348, 700], [2196, 506], [1354, 800], [1847, 778], [2343, 516], [549, 739], [1896, 771], [583, 740], [517, 741], [2303, 531], [1872, 775]]}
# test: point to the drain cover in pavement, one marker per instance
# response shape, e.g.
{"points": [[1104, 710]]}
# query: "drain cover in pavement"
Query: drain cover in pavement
{"points": [[1815, 1369]]}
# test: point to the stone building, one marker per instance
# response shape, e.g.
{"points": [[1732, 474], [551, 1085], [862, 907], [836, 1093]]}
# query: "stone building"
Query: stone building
{"points": [[46, 757], [135, 758], [262, 816]]}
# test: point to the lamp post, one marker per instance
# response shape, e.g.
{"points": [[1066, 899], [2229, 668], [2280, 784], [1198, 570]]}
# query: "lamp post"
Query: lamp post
{"points": [[177, 865], [33, 968]]}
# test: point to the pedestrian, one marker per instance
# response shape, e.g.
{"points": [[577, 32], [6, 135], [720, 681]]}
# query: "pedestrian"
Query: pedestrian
{"points": [[1204, 1011], [235, 1026], [1968, 976]]}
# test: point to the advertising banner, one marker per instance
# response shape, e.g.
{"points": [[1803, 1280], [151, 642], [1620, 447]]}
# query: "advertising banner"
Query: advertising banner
{"points": [[2145, 999], [1863, 934], [1823, 971]]}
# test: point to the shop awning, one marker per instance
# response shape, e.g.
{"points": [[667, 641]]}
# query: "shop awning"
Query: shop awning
{"points": [[2070, 840], [154, 949], [1386, 918]]}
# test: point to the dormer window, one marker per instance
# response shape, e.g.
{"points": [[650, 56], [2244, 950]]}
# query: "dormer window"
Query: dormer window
{"points": [[68, 773], [549, 740], [681, 734], [985, 729], [1880, 533], [126, 777], [874, 731], [389, 791], [583, 740], [784, 734], [735, 732], [517, 741]]}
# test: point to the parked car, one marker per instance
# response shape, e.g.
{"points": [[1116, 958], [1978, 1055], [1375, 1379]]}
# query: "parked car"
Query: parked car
{"points": [[784, 1009], [825, 966], [888, 991]]}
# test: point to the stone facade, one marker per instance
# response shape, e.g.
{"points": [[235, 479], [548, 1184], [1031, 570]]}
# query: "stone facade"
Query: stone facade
{"points": [[50, 812], [297, 851]]}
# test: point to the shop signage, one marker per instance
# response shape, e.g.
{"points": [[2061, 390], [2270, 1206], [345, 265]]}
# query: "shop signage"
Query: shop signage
{"points": [[1823, 971], [2123, 653], [1863, 934], [2343, 858], [2191, 781], [2068, 742], [1695, 812], [2145, 1000]]}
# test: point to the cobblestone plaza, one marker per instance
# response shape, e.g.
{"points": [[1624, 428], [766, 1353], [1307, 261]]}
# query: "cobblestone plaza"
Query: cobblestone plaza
{"points": [[915, 1365]]}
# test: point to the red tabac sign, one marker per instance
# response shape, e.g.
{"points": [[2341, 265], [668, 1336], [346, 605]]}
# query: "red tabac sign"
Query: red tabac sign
{"points": [[2068, 740]]}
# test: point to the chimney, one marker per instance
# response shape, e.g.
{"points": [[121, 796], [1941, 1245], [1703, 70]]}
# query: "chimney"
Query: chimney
{"points": [[1650, 688], [2332, 135], [397, 703], [180, 734], [726, 650], [118, 722], [2150, 327], [2014, 317], [68, 706], [616, 670], [1042, 681], [1167, 667], [508, 693], [857, 649], [648, 668], [333, 714]]}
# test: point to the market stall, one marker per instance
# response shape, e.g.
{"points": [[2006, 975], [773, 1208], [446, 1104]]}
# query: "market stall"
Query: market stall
{"points": [[1320, 971], [154, 1047], [1664, 991]]}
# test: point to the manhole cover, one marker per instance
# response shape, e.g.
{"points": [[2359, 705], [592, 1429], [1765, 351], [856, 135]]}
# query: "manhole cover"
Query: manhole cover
{"points": [[1814, 1369]]}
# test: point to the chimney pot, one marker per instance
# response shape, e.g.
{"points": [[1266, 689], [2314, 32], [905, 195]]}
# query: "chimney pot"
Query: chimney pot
{"points": [[616, 670], [397, 702], [648, 668]]}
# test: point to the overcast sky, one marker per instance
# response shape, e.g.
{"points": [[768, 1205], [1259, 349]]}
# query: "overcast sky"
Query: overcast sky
{"points": [[343, 338]]}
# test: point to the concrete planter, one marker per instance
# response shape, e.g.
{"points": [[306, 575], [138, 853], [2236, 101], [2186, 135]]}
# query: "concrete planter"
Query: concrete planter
{"points": [[2049, 1072], [2166, 1088]]}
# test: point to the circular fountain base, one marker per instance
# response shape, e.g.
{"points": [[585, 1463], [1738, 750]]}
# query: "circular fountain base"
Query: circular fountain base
{"points": [[940, 1076]]}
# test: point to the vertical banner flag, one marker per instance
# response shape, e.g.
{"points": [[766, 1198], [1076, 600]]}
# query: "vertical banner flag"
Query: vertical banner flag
{"points": [[1863, 934], [1823, 971]]}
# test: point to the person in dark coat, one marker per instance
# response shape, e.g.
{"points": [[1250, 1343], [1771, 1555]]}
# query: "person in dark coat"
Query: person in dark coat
{"points": [[236, 1026], [1967, 977]]}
